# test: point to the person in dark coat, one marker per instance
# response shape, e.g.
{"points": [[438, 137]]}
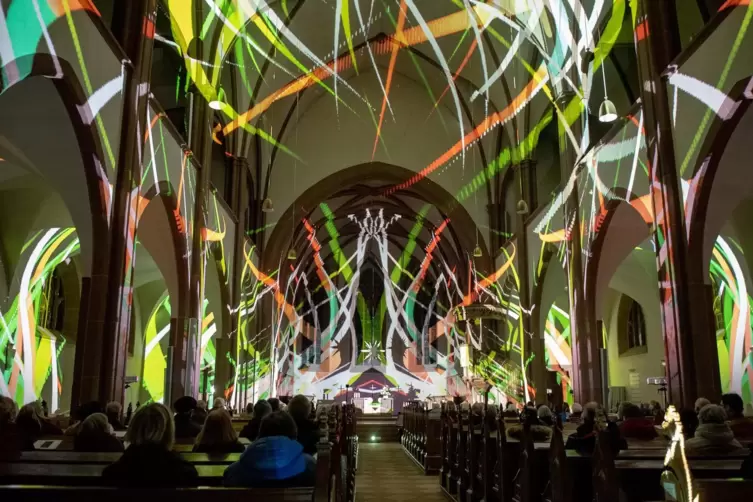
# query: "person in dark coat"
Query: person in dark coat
{"points": [[251, 430], [185, 425], [275, 460], [95, 434], [584, 439], [217, 436], [635, 425], [12, 441], [308, 431], [274, 403], [149, 461]]}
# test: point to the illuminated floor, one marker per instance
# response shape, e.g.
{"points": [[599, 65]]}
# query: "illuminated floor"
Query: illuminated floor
{"points": [[386, 473]]}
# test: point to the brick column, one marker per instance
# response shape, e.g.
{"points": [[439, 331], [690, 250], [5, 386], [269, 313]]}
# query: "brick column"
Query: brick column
{"points": [[106, 314], [687, 311]]}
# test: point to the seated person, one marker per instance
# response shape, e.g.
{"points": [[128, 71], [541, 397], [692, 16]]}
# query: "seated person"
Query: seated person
{"points": [[114, 412], [545, 415], [33, 424], [713, 435], [584, 438], [577, 413], [700, 403], [274, 460], [742, 427], [275, 403], [689, 419], [219, 404], [308, 431], [185, 426], [217, 436], [539, 432], [11, 439], [199, 414], [635, 425], [81, 413], [149, 460], [510, 411], [95, 434], [251, 429]]}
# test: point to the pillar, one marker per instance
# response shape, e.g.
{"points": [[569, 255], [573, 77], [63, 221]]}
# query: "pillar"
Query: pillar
{"points": [[104, 327], [586, 377], [687, 312]]}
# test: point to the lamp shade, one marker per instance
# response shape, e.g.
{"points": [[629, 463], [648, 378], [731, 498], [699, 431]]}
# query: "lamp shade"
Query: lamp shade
{"points": [[522, 207], [477, 253], [216, 104], [607, 111], [267, 205], [292, 255]]}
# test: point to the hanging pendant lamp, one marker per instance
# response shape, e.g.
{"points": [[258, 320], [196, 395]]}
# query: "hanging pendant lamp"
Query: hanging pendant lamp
{"points": [[607, 111], [267, 206], [292, 255], [477, 253]]}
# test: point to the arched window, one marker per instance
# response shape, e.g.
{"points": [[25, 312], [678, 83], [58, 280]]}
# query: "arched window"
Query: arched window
{"points": [[632, 327]]}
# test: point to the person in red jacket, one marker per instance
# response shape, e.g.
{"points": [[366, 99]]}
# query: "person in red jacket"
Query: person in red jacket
{"points": [[635, 425]]}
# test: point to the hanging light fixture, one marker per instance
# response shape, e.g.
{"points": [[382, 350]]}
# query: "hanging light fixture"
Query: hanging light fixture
{"points": [[267, 206], [522, 207], [607, 110], [292, 255], [216, 104], [477, 253]]}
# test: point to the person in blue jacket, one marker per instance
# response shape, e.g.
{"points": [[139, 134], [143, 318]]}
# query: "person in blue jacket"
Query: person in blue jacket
{"points": [[275, 459]]}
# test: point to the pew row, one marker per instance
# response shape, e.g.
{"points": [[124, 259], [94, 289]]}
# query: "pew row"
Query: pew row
{"points": [[421, 437]]}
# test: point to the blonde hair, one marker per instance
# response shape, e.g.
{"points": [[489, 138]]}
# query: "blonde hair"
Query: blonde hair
{"points": [[218, 429], [152, 424]]}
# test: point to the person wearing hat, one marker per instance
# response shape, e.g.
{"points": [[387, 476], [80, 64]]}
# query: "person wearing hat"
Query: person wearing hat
{"points": [[185, 426]]}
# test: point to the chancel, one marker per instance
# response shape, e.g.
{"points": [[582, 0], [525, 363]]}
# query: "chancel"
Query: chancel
{"points": [[467, 250]]}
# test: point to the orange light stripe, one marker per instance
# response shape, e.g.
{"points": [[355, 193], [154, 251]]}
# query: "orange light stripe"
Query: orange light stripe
{"points": [[390, 72], [467, 58]]}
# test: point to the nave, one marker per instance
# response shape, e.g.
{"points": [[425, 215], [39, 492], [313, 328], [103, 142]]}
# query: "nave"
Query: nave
{"points": [[386, 473]]}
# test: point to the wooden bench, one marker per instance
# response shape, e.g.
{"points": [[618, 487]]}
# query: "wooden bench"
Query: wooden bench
{"points": [[421, 437], [76, 494]]}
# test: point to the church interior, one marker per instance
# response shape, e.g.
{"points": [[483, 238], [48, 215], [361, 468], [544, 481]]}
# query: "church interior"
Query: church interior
{"points": [[449, 224]]}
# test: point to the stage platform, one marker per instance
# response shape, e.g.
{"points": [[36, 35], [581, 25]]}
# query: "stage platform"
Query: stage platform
{"points": [[377, 428]]}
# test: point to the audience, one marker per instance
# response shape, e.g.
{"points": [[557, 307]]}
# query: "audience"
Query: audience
{"points": [[545, 415], [81, 413], [219, 404], [95, 434], [510, 411], [114, 412], [539, 433], [199, 414], [308, 431], [713, 435], [33, 424], [689, 419], [251, 430], [185, 426], [584, 438], [276, 459], [577, 413], [275, 403], [635, 425], [12, 442], [217, 436], [700, 403], [149, 460], [741, 426]]}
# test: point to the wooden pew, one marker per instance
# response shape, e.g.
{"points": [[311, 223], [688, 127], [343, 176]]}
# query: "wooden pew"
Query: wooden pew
{"points": [[421, 438], [724, 490], [76, 494]]}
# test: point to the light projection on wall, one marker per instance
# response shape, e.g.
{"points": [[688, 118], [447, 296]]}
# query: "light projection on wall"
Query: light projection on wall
{"points": [[29, 351]]}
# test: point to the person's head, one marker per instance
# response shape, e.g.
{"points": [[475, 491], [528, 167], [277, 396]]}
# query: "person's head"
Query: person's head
{"points": [[712, 414], [152, 424], [31, 411], [218, 429], [733, 405], [577, 408], [589, 414], [219, 402], [185, 404], [689, 419], [274, 403], [544, 413], [113, 409], [262, 409], [477, 408], [201, 405], [700, 403], [249, 408], [278, 423], [299, 407], [95, 424], [592, 405], [8, 410]]}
